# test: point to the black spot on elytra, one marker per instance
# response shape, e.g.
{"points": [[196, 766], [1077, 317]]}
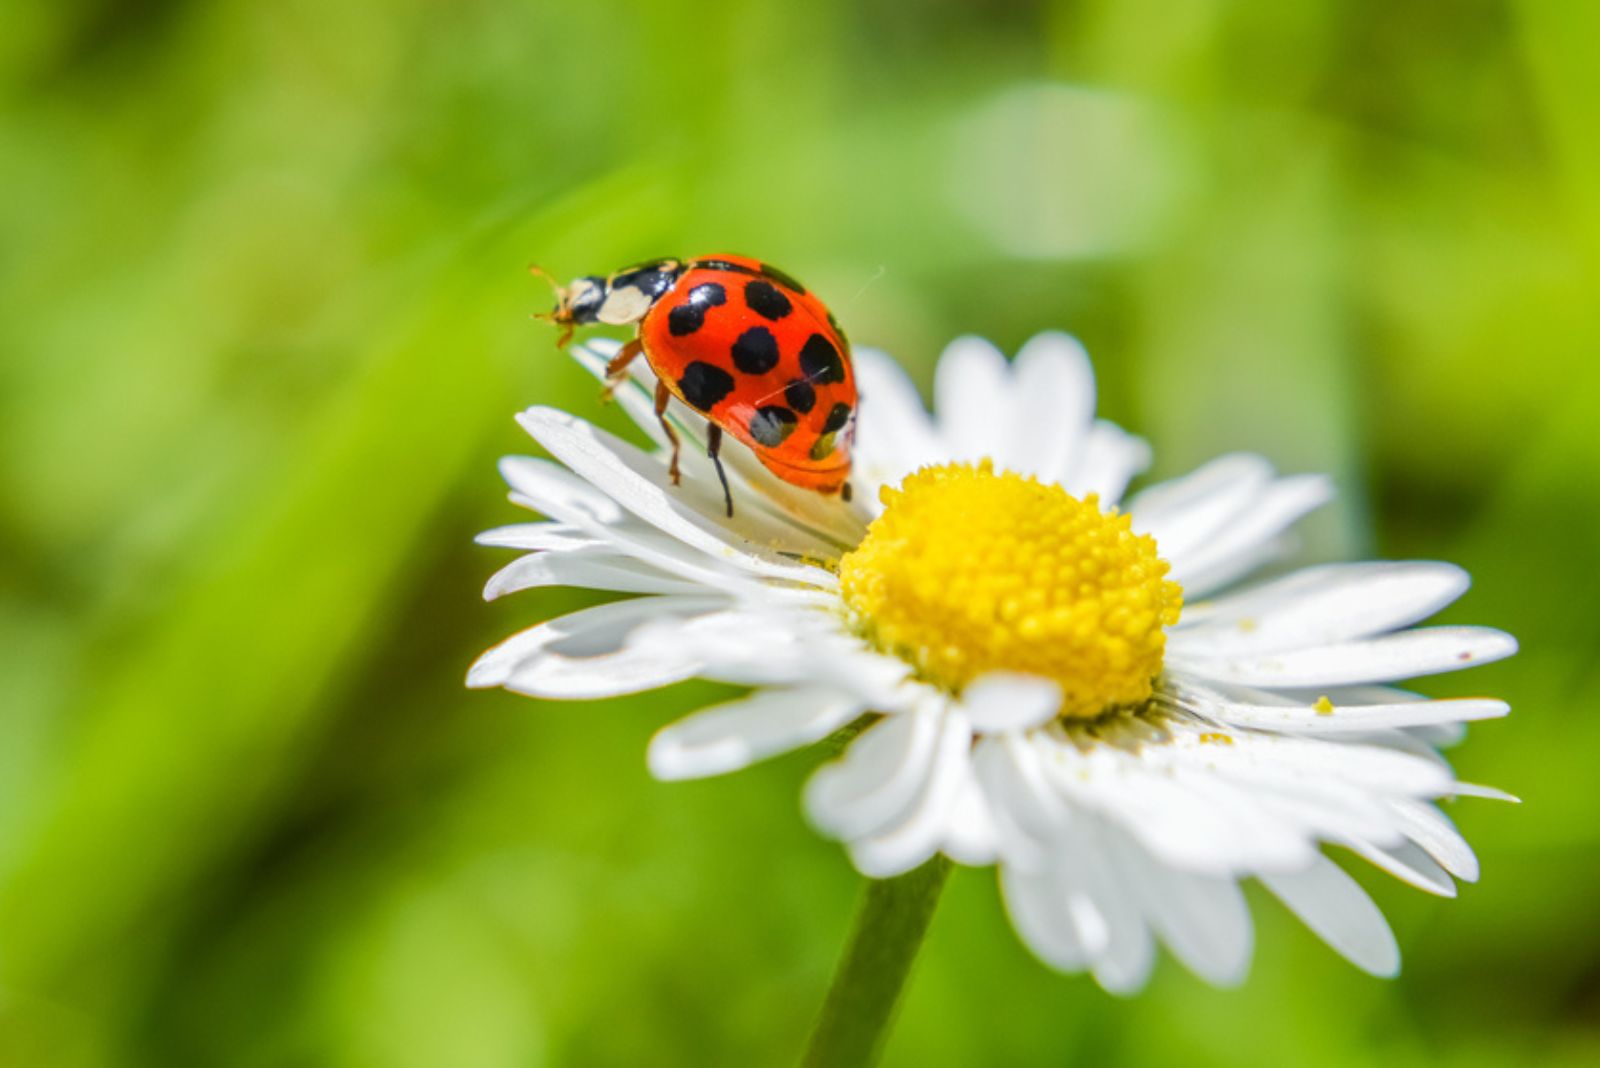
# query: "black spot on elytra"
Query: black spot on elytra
{"points": [[704, 384], [771, 425], [838, 416], [782, 278], [685, 319], [822, 448], [708, 294], [820, 361], [690, 316], [801, 397], [756, 351], [765, 300]]}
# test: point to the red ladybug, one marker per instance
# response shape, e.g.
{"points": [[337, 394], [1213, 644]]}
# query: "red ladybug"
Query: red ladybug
{"points": [[743, 344]]}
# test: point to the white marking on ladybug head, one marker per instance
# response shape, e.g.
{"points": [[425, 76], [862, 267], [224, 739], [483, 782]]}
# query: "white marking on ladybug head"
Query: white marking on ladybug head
{"points": [[580, 300], [624, 304], [583, 291]]}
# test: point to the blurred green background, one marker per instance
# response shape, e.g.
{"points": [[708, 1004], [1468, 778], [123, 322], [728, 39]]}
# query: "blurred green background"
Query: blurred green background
{"points": [[264, 322]]}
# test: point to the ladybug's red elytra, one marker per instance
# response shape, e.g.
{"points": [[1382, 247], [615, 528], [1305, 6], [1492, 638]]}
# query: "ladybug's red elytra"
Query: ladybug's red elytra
{"points": [[743, 344]]}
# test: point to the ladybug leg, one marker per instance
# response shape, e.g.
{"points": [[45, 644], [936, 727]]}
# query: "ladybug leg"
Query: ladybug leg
{"points": [[617, 369], [714, 450], [663, 395]]}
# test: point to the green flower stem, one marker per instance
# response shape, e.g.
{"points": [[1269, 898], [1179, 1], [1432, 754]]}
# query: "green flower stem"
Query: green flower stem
{"points": [[888, 932]]}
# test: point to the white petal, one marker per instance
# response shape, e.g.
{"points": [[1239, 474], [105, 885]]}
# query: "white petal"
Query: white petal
{"points": [[583, 654], [734, 735], [669, 556], [1123, 964], [1186, 817], [1257, 762], [556, 492], [774, 644], [1322, 791], [602, 626], [1331, 903], [970, 836], [1324, 605], [918, 832], [1304, 719], [972, 393], [1003, 701], [536, 536], [1309, 762], [1470, 789], [894, 435], [1432, 831], [1332, 811], [1359, 694], [1401, 741], [1423, 651], [589, 568], [549, 488], [1202, 919], [636, 482], [1439, 735], [1028, 814], [877, 779], [1040, 911], [1053, 393], [1409, 864], [1110, 458], [1244, 543], [1264, 839], [1079, 910], [1145, 804], [593, 678], [1181, 514]]}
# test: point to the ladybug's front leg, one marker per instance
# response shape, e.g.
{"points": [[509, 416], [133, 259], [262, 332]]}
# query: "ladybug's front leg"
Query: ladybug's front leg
{"points": [[663, 396], [617, 369], [714, 450]]}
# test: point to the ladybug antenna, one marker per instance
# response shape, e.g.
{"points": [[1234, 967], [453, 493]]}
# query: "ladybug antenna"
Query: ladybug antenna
{"points": [[560, 315], [539, 272]]}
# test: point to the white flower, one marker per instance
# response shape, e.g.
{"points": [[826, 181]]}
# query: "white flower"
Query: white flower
{"points": [[1011, 643]]}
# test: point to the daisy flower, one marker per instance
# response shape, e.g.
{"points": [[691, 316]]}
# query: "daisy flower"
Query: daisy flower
{"points": [[1047, 677]]}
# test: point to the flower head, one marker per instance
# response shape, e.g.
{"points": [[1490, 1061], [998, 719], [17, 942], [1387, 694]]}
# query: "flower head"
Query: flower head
{"points": [[1056, 683]]}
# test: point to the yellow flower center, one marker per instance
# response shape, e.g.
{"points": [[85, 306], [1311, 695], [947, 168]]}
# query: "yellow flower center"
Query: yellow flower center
{"points": [[968, 572]]}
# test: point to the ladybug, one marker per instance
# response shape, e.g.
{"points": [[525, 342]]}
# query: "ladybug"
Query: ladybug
{"points": [[743, 344]]}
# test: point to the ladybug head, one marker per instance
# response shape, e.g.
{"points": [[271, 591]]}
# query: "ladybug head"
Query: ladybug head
{"points": [[577, 304], [580, 302], [623, 298]]}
